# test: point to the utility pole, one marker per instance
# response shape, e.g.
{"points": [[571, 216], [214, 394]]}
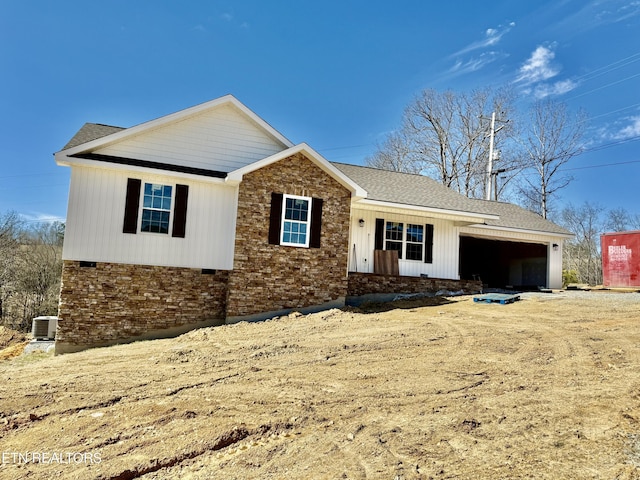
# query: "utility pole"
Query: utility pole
{"points": [[492, 133]]}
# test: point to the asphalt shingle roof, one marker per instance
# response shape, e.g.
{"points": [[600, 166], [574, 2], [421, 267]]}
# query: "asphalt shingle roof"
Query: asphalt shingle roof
{"points": [[418, 190], [89, 132]]}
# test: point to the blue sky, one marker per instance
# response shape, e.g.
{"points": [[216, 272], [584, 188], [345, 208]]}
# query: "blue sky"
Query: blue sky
{"points": [[334, 74]]}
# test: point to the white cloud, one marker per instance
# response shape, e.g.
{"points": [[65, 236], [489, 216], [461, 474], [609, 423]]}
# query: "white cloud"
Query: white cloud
{"points": [[230, 17], [535, 74], [538, 67], [475, 64], [630, 131], [614, 11], [492, 36], [598, 13], [558, 88]]}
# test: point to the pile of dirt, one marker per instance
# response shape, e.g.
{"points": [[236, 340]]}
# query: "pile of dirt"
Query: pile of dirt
{"points": [[547, 387], [12, 342]]}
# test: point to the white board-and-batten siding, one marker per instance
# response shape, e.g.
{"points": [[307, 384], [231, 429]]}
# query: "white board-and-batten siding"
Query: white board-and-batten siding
{"points": [[95, 219], [446, 245], [221, 139]]}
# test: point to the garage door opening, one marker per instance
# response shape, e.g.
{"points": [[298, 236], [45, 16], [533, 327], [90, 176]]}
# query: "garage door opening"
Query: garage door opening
{"points": [[501, 264]]}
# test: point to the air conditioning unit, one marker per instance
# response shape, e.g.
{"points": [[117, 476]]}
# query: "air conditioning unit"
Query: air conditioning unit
{"points": [[44, 328]]}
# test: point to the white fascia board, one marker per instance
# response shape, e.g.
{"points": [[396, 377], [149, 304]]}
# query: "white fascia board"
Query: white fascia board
{"points": [[65, 161], [357, 192], [464, 216], [525, 231], [175, 117]]}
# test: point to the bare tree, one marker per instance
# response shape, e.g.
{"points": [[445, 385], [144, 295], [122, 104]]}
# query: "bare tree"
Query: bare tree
{"points": [[444, 135], [394, 154], [10, 227], [552, 138], [582, 253], [618, 220], [30, 270]]}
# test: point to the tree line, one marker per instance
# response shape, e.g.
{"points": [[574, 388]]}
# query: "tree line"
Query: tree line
{"points": [[30, 270], [478, 143]]}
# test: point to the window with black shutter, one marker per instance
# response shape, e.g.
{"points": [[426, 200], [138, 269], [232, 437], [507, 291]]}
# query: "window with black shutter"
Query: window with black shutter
{"points": [[295, 221], [411, 241], [160, 203]]}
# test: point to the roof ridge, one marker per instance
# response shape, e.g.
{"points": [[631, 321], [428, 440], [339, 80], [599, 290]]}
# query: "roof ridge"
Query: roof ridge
{"points": [[387, 171], [106, 125]]}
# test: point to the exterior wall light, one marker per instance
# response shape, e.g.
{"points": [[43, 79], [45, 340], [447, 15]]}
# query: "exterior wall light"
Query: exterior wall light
{"points": [[555, 247], [361, 222]]}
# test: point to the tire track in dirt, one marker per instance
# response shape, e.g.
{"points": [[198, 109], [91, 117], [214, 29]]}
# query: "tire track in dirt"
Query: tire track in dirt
{"points": [[223, 441]]}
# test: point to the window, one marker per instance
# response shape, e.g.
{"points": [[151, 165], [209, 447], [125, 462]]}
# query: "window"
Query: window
{"points": [[393, 236], [295, 221], [411, 241], [156, 208], [160, 203], [415, 241]]}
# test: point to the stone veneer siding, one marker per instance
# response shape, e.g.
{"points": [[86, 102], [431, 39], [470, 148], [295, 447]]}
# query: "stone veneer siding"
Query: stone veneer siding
{"points": [[372, 283], [114, 303], [275, 278]]}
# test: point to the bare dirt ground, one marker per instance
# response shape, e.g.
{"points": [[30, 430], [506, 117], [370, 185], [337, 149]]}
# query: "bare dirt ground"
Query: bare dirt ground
{"points": [[545, 388], [12, 343]]}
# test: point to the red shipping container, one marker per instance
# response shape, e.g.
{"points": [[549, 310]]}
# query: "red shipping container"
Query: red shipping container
{"points": [[621, 259]]}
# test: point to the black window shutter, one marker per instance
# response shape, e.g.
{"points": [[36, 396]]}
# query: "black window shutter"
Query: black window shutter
{"points": [[275, 218], [131, 205], [428, 243], [316, 222], [180, 211], [379, 236]]}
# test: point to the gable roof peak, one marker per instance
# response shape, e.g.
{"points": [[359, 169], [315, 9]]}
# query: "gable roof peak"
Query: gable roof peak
{"points": [[100, 137]]}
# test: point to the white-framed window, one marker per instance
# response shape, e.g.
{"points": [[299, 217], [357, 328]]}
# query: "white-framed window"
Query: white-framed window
{"points": [[156, 208], [296, 221], [414, 242], [394, 235], [407, 240], [157, 204]]}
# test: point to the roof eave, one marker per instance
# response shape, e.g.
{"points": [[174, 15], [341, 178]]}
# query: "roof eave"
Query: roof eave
{"points": [[67, 161], [469, 217], [527, 231]]}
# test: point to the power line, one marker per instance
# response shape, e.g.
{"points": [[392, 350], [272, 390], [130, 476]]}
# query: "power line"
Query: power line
{"points": [[602, 165], [612, 112], [604, 86], [603, 70], [603, 146]]}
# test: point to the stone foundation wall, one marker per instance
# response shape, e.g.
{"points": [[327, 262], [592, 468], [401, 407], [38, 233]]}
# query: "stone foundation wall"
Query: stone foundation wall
{"points": [[371, 283], [113, 303], [273, 278]]}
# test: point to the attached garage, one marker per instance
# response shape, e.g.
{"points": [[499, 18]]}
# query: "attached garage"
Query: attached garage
{"points": [[504, 264]]}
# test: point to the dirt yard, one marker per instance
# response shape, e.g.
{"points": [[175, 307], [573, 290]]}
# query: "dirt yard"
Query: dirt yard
{"points": [[547, 387]]}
